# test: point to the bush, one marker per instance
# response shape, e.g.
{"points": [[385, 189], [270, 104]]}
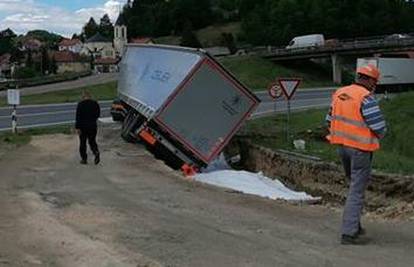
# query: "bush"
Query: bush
{"points": [[25, 73]]}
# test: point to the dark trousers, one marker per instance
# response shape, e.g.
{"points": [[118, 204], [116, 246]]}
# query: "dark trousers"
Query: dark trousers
{"points": [[88, 134], [357, 165]]}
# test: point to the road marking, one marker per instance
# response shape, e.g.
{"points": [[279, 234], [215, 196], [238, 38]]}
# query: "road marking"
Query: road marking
{"points": [[293, 102], [305, 90], [259, 114]]}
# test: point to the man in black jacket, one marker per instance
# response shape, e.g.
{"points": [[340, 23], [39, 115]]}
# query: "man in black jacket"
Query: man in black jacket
{"points": [[87, 113]]}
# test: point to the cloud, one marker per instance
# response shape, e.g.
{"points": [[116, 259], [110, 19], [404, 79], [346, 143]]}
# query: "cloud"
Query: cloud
{"points": [[111, 7], [25, 15]]}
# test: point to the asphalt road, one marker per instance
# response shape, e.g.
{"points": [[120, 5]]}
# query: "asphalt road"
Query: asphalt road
{"points": [[303, 99], [55, 114]]}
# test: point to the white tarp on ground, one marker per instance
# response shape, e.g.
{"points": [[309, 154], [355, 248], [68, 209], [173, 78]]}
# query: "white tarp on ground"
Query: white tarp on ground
{"points": [[253, 183], [106, 120]]}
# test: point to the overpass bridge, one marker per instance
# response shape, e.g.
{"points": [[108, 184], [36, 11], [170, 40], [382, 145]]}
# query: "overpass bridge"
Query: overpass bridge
{"points": [[365, 46]]}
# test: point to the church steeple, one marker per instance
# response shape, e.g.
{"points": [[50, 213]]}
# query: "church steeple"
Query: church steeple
{"points": [[120, 35]]}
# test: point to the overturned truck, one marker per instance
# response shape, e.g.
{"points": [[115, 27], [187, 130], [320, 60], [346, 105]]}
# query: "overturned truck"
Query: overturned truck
{"points": [[180, 101]]}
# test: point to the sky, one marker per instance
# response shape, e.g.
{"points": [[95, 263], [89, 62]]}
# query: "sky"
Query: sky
{"points": [[64, 17]]}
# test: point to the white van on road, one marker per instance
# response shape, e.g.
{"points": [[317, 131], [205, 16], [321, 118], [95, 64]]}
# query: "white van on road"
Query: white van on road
{"points": [[305, 41]]}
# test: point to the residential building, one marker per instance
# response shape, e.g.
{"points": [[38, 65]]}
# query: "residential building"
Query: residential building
{"points": [[106, 65], [31, 44], [72, 45], [98, 47], [68, 61]]}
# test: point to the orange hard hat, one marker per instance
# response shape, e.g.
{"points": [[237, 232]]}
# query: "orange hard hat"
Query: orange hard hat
{"points": [[370, 71]]}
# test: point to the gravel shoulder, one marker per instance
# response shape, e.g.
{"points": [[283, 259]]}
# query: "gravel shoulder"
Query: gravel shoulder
{"points": [[132, 210]]}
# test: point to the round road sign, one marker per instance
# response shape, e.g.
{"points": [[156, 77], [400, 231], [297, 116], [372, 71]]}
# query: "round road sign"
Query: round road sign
{"points": [[274, 90]]}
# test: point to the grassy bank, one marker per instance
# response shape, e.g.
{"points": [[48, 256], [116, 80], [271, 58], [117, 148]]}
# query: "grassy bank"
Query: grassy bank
{"points": [[397, 151], [258, 73], [105, 91], [208, 37], [24, 136]]}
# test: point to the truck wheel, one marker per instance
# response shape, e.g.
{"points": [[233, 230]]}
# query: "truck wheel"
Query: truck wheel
{"points": [[127, 126]]}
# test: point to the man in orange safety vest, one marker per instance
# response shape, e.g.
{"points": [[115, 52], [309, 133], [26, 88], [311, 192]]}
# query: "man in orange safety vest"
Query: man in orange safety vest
{"points": [[356, 124]]}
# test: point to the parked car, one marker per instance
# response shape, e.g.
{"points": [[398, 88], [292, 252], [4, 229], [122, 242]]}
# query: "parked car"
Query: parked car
{"points": [[307, 41]]}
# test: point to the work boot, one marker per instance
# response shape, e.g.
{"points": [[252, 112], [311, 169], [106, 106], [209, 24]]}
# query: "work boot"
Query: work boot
{"points": [[97, 158], [361, 231], [353, 240], [83, 161]]}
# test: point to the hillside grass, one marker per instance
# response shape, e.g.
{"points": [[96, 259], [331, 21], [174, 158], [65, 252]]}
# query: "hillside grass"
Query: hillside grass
{"points": [[212, 35], [9, 140], [397, 148], [257, 73], [209, 36], [106, 91]]}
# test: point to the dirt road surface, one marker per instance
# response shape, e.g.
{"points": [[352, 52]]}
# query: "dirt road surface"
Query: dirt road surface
{"points": [[132, 210]]}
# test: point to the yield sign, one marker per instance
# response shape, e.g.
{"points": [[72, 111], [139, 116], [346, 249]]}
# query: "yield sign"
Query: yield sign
{"points": [[289, 86]]}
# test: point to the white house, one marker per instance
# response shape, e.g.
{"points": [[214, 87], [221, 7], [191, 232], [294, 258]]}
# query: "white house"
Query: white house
{"points": [[98, 47], [72, 45]]}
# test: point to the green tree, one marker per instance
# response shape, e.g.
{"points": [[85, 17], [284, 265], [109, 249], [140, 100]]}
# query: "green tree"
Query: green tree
{"points": [[29, 59], [188, 38], [105, 27], [7, 38], [90, 29], [53, 66], [25, 73], [45, 61], [228, 41]]}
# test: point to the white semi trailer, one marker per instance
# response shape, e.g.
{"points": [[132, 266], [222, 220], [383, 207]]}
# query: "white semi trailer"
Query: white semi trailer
{"points": [[396, 73], [180, 101]]}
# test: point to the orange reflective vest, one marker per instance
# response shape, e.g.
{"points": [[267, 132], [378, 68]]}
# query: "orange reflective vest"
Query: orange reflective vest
{"points": [[348, 127]]}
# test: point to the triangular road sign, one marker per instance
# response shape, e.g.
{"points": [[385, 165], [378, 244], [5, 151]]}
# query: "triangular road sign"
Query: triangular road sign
{"points": [[289, 86]]}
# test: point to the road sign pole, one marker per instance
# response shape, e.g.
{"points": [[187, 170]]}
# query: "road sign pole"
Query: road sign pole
{"points": [[289, 86], [14, 119], [288, 121]]}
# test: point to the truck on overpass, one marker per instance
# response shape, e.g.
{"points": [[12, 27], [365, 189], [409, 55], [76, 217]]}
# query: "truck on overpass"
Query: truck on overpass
{"points": [[397, 74]]}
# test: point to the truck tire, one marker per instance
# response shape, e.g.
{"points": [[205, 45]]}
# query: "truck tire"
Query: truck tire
{"points": [[131, 123], [127, 126]]}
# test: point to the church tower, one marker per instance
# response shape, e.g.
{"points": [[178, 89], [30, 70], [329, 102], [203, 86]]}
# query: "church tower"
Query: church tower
{"points": [[120, 35]]}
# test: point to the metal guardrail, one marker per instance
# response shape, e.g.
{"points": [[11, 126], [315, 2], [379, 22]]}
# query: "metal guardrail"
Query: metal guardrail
{"points": [[341, 46]]}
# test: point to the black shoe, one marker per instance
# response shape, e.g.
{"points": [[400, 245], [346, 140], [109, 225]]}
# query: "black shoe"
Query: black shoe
{"points": [[353, 240], [361, 231], [97, 158], [83, 162]]}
